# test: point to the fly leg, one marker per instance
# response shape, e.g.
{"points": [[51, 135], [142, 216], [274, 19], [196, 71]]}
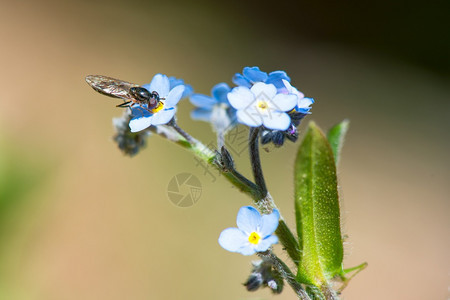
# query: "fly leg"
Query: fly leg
{"points": [[125, 104]]}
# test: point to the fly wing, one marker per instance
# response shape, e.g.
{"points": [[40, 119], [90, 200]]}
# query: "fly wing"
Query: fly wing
{"points": [[111, 87]]}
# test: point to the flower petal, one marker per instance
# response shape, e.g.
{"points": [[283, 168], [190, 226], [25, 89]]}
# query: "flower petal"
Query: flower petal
{"points": [[283, 102], [304, 103], [140, 123], [163, 116], [265, 244], [276, 120], [254, 74], [174, 96], [178, 81], [264, 91], [240, 97], [240, 80], [248, 219], [188, 90], [232, 239], [161, 84], [220, 91], [269, 223], [276, 78], [247, 249], [201, 114], [249, 117], [202, 101], [291, 90]]}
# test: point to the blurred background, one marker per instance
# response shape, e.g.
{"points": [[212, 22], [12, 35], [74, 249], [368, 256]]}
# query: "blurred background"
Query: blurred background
{"points": [[79, 220]]}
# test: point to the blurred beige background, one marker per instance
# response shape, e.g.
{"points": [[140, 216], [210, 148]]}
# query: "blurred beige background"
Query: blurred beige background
{"points": [[82, 221]]}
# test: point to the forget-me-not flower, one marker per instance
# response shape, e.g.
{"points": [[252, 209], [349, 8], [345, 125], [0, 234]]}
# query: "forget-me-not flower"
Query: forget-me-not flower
{"points": [[254, 232], [277, 137], [164, 111], [215, 109], [262, 105]]}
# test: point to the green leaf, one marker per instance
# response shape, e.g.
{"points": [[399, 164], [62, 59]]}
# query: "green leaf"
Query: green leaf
{"points": [[317, 210], [336, 137]]}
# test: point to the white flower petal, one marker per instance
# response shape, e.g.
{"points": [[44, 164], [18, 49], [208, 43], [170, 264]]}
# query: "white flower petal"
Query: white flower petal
{"points": [[288, 85], [138, 124], [269, 223], [248, 219], [240, 97], [264, 91], [276, 120], [292, 90], [283, 102], [232, 239], [305, 102], [161, 84], [174, 96], [249, 117], [247, 249], [265, 244], [163, 116]]}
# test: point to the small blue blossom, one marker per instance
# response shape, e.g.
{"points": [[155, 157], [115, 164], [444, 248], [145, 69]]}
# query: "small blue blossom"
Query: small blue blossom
{"points": [[302, 109], [215, 109], [164, 112], [252, 75], [263, 105], [254, 232]]}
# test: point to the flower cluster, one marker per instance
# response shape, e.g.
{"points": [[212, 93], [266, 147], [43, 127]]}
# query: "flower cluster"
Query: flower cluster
{"points": [[263, 100], [280, 115], [273, 108]]}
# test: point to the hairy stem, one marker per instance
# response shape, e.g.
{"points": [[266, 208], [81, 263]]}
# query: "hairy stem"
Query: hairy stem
{"points": [[285, 272], [172, 123]]}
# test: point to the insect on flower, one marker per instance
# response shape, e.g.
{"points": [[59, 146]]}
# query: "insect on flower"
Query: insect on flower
{"points": [[131, 93]]}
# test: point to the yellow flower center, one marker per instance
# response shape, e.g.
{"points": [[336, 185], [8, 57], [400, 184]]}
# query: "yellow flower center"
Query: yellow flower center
{"points": [[262, 105], [158, 107], [254, 238]]}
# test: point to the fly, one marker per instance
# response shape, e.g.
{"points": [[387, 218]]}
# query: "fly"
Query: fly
{"points": [[131, 93]]}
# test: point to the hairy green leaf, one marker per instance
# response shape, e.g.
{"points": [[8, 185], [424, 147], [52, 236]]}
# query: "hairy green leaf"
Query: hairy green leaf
{"points": [[317, 210], [336, 137]]}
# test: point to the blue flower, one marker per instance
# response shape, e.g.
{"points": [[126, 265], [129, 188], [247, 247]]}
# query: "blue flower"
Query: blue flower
{"points": [[215, 109], [164, 112], [263, 105], [254, 232], [252, 75]]}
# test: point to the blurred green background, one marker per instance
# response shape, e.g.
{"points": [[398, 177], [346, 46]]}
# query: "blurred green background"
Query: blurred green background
{"points": [[78, 220]]}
